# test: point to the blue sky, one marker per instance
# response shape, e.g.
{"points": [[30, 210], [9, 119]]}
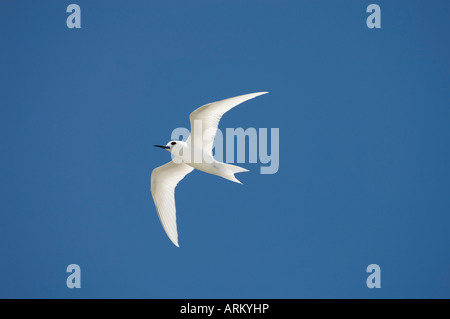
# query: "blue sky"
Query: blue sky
{"points": [[364, 172]]}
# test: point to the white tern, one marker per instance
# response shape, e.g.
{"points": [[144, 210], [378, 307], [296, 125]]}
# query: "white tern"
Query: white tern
{"points": [[195, 152]]}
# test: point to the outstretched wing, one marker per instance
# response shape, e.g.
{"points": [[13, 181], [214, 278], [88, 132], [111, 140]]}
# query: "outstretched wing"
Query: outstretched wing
{"points": [[205, 120], [163, 182]]}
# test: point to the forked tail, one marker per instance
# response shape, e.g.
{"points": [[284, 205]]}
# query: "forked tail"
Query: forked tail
{"points": [[230, 170]]}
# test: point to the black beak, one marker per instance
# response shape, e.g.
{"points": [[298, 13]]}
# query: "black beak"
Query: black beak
{"points": [[162, 146]]}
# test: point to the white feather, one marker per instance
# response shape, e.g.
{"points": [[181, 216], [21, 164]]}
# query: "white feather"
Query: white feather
{"points": [[163, 182]]}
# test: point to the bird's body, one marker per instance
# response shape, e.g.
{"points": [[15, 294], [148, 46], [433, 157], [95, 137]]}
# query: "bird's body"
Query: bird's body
{"points": [[185, 152], [194, 153]]}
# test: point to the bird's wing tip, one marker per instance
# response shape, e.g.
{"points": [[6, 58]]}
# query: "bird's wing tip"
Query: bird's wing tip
{"points": [[259, 93]]}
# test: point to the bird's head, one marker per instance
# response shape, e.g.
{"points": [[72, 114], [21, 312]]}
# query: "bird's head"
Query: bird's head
{"points": [[172, 146]]}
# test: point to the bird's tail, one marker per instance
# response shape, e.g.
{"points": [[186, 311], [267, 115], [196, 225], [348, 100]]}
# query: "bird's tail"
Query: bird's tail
{"points": [[230, 170]]}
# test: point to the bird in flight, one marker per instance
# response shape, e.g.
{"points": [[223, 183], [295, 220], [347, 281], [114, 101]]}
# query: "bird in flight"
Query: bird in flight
{"points": [[194, 153]]}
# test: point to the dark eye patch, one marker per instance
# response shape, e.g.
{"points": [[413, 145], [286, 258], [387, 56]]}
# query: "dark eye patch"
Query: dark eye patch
{"points": [[173, 143]]}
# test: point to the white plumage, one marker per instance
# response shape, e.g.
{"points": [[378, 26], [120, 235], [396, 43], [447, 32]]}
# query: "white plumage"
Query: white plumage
{"points": [[164, 179]]}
